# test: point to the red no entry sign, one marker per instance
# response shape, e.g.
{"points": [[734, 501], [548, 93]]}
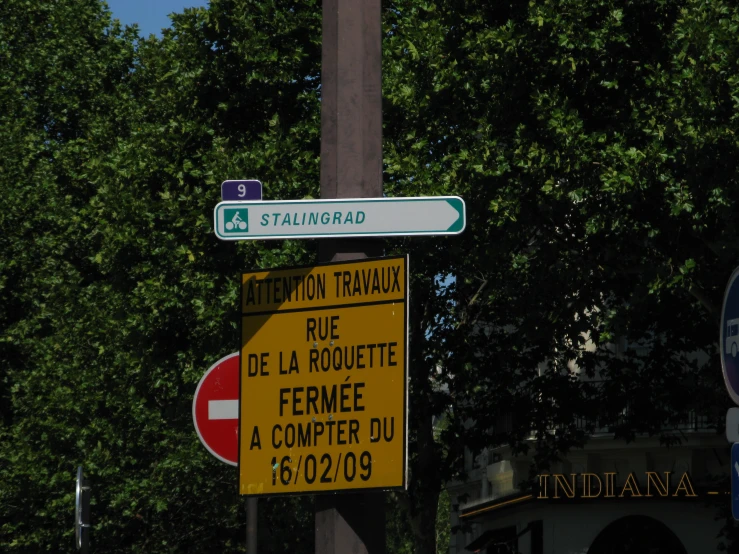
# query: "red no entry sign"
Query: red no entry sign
{"points": [[215, 409]]}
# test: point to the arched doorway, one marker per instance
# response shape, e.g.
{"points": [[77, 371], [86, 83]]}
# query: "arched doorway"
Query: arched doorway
{"points": [[636, 535]]}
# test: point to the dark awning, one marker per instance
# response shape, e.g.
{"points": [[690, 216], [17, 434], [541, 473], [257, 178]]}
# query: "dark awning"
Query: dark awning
{"points": [[504, 538]]}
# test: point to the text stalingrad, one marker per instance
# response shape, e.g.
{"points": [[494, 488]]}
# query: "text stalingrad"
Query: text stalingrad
{"points": [[607, 485], [295, 219]]}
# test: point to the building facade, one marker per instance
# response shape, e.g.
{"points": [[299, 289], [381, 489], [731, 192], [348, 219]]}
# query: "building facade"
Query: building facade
{"points": [[609, 497]]}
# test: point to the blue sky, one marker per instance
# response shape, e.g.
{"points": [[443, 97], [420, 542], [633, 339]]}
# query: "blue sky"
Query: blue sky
{"points": [[151, 15]]}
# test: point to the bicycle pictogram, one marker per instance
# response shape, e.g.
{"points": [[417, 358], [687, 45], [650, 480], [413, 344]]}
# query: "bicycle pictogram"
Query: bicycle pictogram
{"points": [[236, 222]]}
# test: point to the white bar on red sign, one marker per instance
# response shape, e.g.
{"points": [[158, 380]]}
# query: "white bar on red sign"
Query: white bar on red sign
{"points": [[223, 409]]}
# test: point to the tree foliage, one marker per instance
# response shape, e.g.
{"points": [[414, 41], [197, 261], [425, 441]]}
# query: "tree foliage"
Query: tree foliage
{"points": [[594, 143], [116, 297]]}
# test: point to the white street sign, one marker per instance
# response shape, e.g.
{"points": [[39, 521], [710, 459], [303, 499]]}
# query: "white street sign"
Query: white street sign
{"points": [[732, 425], [355, 217]]}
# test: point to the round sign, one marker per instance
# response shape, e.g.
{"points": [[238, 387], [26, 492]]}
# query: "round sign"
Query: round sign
{"points": [[215, 409], [729, 342]]}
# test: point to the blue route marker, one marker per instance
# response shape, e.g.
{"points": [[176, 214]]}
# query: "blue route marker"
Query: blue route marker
{"points": [[241, 190]]}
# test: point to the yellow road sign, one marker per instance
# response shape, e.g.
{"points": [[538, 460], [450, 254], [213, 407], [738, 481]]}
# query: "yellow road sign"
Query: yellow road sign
{"points": [[324, 378]]}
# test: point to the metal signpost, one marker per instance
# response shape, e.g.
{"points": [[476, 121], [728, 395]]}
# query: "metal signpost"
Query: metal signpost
{"points": [[215, 414], [324, 378], [359, 217], [215, 409], [351, 167], [241, 190], [82, 513], [324, 349]]}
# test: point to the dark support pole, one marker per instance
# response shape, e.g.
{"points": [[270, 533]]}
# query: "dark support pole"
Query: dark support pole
{"points": [[351, 113], [351, 167], [251, 525], [350, 523]]}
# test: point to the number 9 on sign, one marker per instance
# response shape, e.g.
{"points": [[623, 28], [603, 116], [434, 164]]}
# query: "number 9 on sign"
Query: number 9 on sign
{"points": [[241, 190]]}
